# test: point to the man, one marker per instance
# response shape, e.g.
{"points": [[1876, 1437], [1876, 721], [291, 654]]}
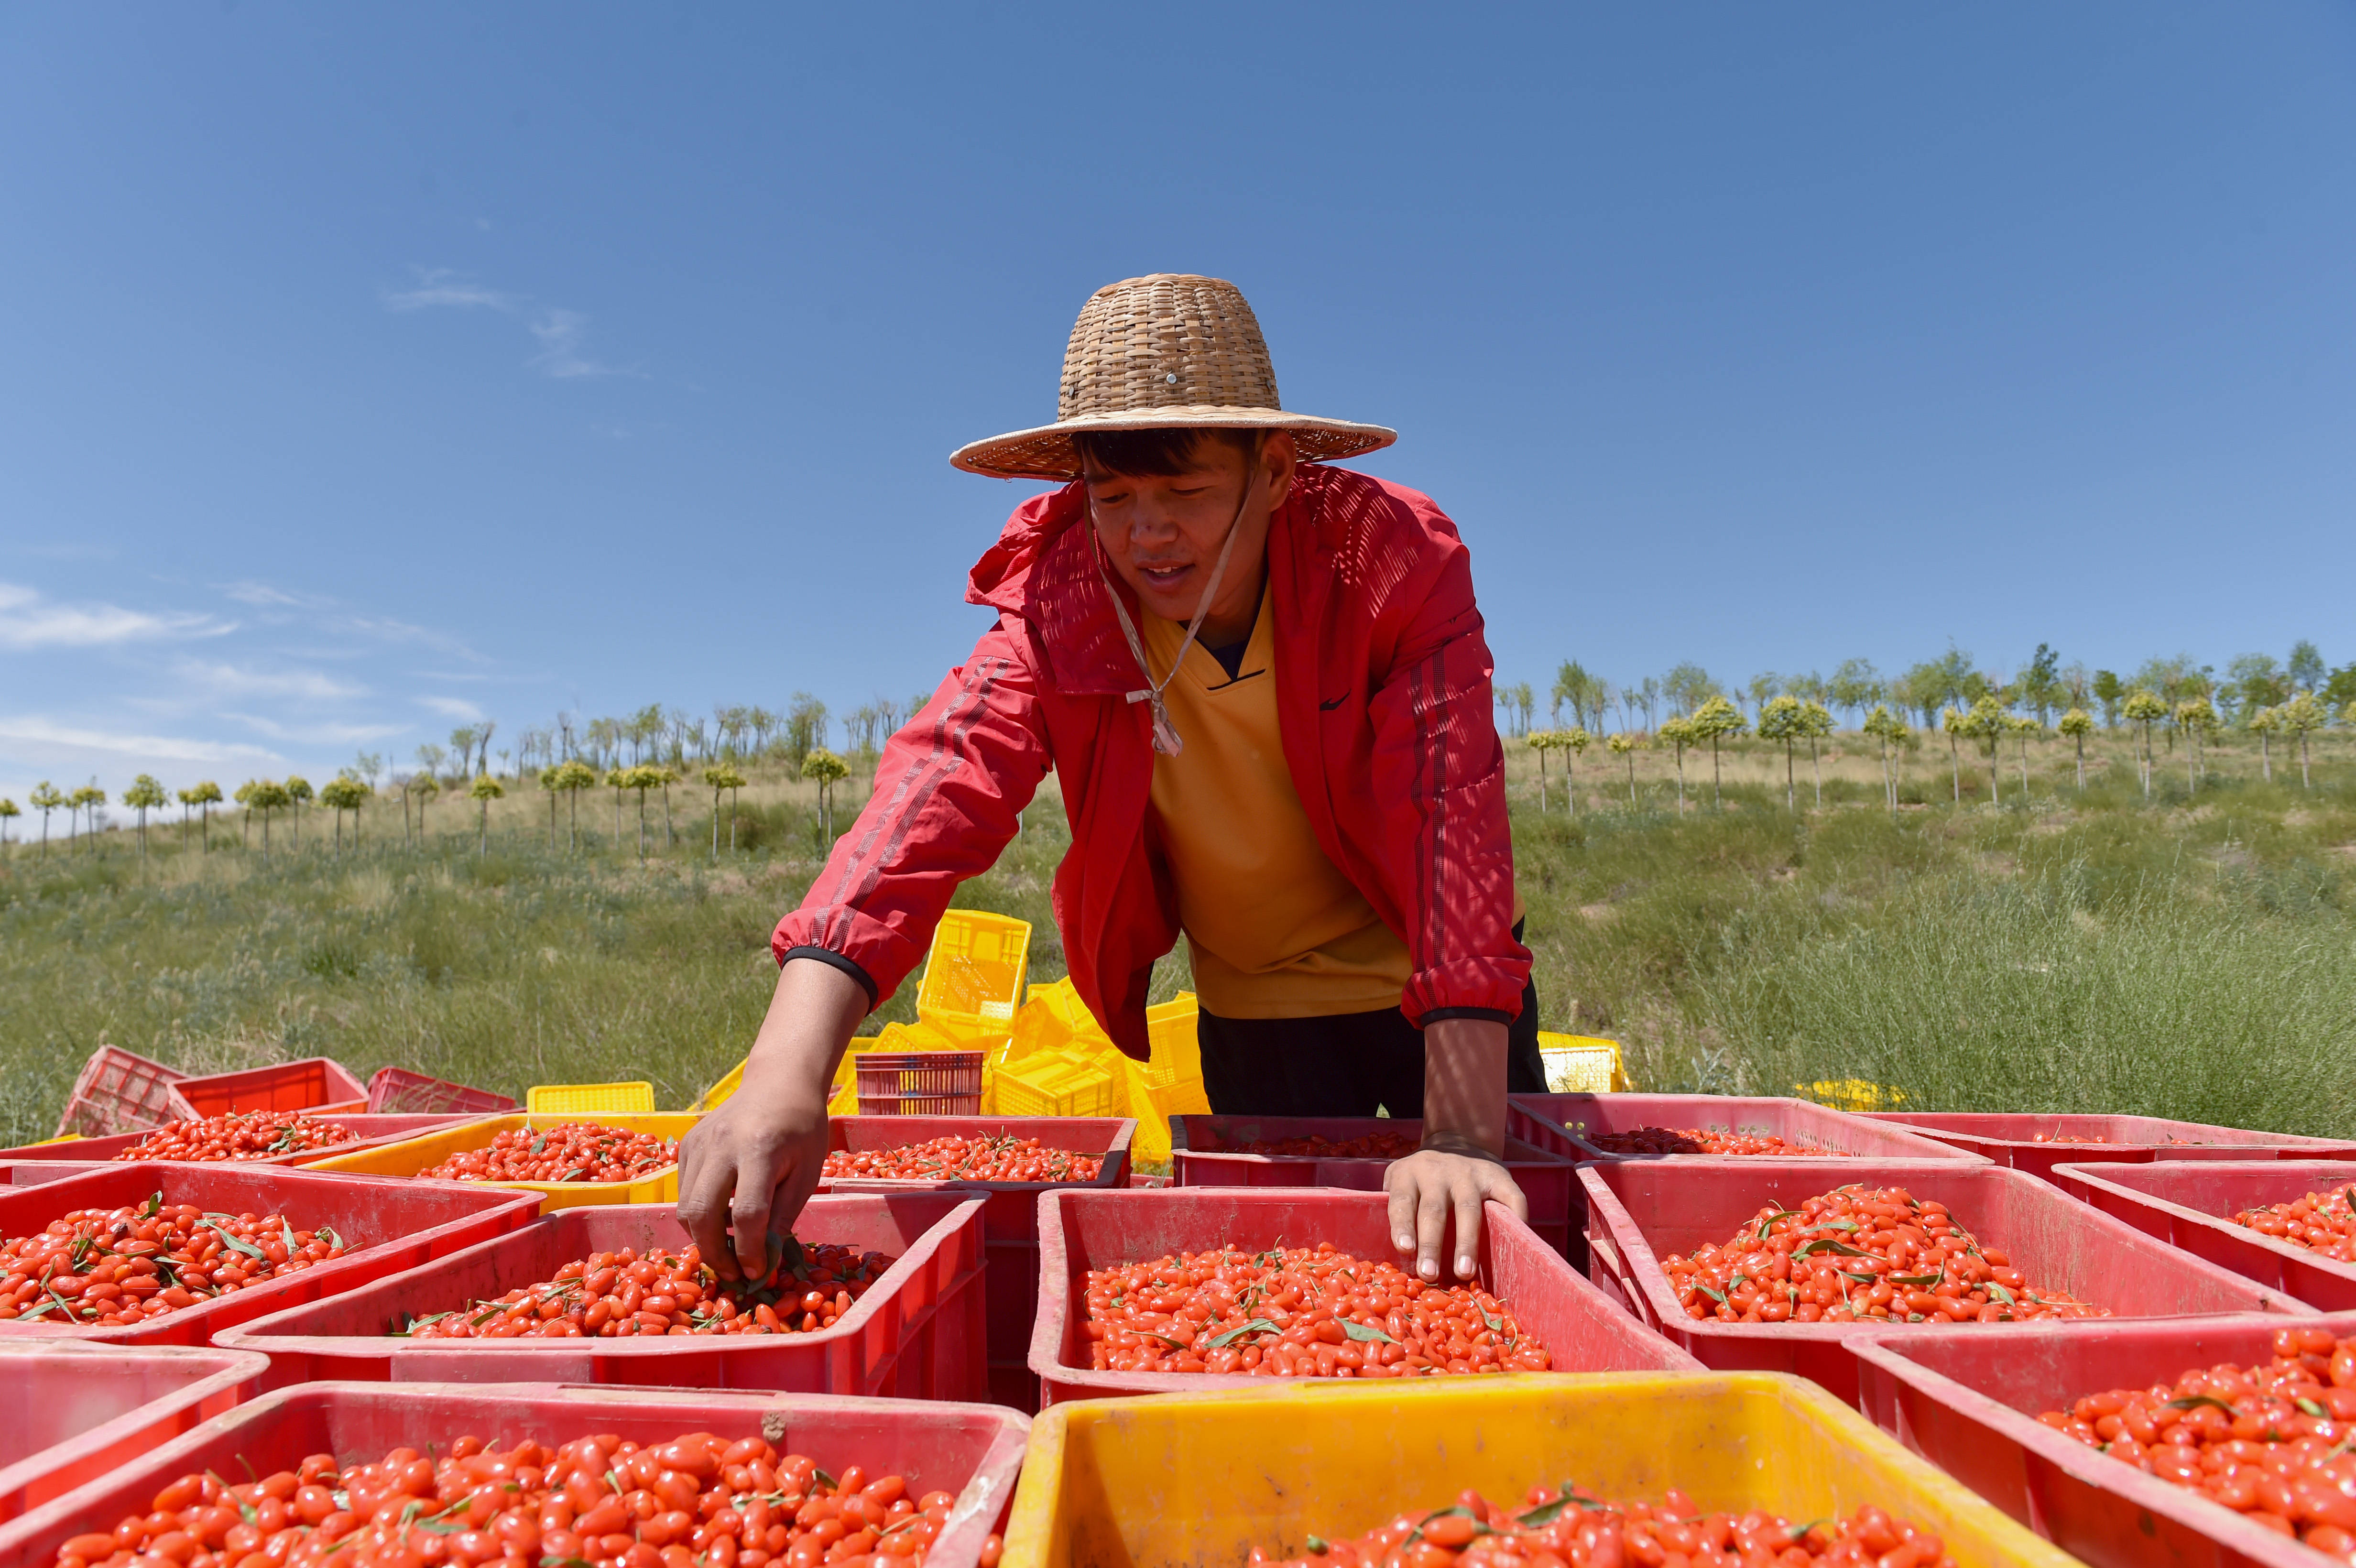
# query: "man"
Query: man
{"points": [[1262, 685]]}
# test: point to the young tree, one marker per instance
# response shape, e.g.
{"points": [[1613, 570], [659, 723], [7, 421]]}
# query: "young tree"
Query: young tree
{"points": [[1854, 686], [2112, 693], [1891, 730], [46, 798], [1957, 724], [2198, 720], [2263, 723], [1780, 719], [204, 796], [144, 795], [1985, 722], [619, 779], [298, 791], [828, 770], [641, 777], [484, 789], [664, 779], [1816, 722], [1764, 686], [1716, 720], [426, 788], [342, 794], [264, 795], [1575, 741], [8, 810], [2040, 684], [1688, 687], [723, 777], [570, 777], [2023, 728], [2143, 708], [2305, 667], [1678, 732], [1542, 741], [1624, 744], [2076, 724], [2302, 716], [461, 748], [805, 728], [87, 800]]}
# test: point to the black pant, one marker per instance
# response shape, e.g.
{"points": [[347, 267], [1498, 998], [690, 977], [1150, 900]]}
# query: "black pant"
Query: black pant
{"points": [[1341, 1064]]}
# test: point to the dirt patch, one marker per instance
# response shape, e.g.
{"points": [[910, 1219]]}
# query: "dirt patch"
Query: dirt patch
{"points": [[1599, 914]]}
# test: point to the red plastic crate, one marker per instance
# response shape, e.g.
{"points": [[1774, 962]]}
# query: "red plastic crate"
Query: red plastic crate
{"points": [[314, 1083], [1009, 1225], [1085, 1228], [37, 1172], [2189, 1204], [72, 1413], [396, 1224], [396, 1091], [2012, 1140], [1554, 1122], [1210, 1158], [1969, 1402], [1639, 1211], [919, 1082], [914, 1335], [975, 1451], [369, 1132], [117, 1091]]}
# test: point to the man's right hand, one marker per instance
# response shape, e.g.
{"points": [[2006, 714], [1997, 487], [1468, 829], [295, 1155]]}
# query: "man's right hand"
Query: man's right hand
{"points": [[746, 1170]]}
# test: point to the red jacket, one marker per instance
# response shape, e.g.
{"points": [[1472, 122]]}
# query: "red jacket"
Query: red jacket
{"points": [[1383, 702]]}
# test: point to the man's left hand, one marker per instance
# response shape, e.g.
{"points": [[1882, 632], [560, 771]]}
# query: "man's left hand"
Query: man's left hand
{"points": [[1438, 1184]]}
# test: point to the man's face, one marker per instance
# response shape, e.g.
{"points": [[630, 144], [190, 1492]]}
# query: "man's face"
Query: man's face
{"points": [[1163, 532]]}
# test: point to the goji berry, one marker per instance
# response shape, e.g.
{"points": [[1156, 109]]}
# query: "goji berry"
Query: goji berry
{"points": [[1857, 1253], [569, 1151], [1002, 1158], [237, 1135], [622, 1293], [1297, 1313], [111, 1268], [2269, 1442]]}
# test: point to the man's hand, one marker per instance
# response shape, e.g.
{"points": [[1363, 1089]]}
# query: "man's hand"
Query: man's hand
{"points": [[749, 1166], [1462, 1162], [1430, 1187]]}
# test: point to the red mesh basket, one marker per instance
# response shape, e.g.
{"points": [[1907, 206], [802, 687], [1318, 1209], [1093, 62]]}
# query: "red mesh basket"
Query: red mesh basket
{"points": [[397, 1090], [119, 1093], [920, 1083]]}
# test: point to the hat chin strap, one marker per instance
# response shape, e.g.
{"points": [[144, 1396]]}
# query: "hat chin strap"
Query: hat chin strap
{"points": [[1166, 739]]}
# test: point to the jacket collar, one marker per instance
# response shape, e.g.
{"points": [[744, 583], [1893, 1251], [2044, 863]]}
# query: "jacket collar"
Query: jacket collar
{"points": [[1043, 571]]}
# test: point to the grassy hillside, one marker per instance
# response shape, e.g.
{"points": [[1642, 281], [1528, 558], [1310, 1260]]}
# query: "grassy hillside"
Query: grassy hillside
{"points": [[2193, 956]]}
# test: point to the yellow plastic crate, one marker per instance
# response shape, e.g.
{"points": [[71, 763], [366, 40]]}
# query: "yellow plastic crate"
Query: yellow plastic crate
{"points": [[1850, 1095], [973, 976], [61, 1138], [1176, 1070], [591, 1099], [1582, 1064], [1154, 1481], [409, 1157], [1061, 1081]]}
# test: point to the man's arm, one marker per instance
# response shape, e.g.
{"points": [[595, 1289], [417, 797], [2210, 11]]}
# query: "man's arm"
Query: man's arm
{"points": [[949, 788], [1435, 751]]}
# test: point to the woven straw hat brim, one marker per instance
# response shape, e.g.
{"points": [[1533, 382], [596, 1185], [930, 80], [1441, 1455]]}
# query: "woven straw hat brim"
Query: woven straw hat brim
{"points": [[1047, 453], [1169, 351]]}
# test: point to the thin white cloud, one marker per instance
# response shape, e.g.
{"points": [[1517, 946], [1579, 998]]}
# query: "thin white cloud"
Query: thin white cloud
{"points": [[262, 594], [228, 679], [316, 734], [455, 707], [560, 333], [58, 741], [441, 287], [28, 621]]}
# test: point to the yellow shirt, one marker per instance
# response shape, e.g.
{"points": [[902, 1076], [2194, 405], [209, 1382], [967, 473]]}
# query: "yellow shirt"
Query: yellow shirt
{"points": [[1274, 928]]}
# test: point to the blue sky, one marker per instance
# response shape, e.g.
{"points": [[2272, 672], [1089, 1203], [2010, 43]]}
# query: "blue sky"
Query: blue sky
{"points": [[365, 371]]}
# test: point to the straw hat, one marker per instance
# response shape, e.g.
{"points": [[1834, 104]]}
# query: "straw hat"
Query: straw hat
{"points": [[1168, 351]]}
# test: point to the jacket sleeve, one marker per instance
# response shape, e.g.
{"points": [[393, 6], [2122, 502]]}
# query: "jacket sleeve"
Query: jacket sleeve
{"points": [[948, 790], [1449, 848]]}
